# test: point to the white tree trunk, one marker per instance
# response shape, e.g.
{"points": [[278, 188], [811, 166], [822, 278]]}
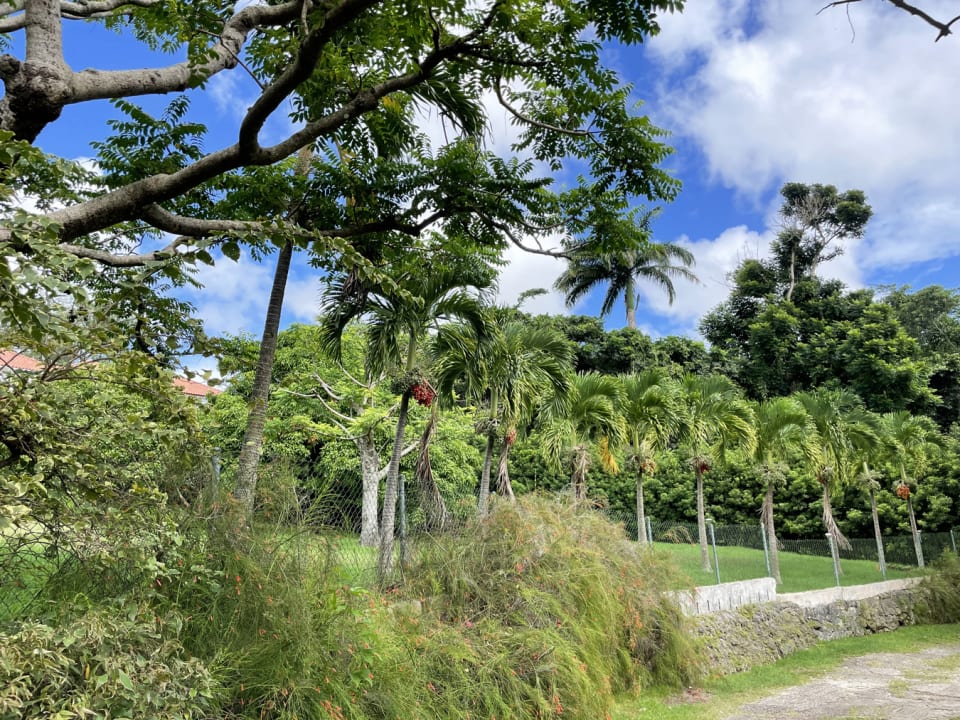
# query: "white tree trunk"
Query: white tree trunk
{"points": [[371, 474]]}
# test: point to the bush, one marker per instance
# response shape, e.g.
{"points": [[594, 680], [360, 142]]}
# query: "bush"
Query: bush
{"points": [[542, 609], [109, 663], [941, 591]]}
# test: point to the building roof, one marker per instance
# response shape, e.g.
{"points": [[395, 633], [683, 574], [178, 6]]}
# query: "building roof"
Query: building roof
{"points": [[195, 389], [15, 360]]}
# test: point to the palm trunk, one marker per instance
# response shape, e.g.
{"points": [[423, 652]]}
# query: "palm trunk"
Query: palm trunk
{"points": [[630, 300], [370, 473], [389, 516], [436, 515], [830, 524], [581, 462], [483, 503], [915, 531], [641, 515], [876, 528], [253, 435], [504, 487], [702, 524], [769, 528]]}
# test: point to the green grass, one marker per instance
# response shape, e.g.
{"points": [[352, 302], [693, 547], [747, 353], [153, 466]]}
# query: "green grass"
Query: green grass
{"points": [[726, 694], [799, 572]]}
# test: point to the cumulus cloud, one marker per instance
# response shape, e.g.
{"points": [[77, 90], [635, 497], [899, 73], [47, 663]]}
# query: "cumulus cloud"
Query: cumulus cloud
{"points": [[771, 92]]}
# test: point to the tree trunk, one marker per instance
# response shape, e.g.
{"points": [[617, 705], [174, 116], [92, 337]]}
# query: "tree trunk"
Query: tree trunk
{"points": [[483, 502], [881, 557], [389, 516], [437, 517], [253, 435], [702, 524], [641, 514], [768, 527], [581, 462], [504, 487], [370, 473], [915, 531], [630, 300], [830, 524]]}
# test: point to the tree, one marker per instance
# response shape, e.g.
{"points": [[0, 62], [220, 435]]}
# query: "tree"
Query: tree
{"points": [[619, 270], [842, 427], [782, 429], [513, 368], [943, 28], [910, 441], [652, 412], [583, 419], [815, 217], [717, 418], [397, 321]]}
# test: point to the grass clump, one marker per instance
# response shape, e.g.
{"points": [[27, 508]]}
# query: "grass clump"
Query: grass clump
{"points": [[544, 609], [941, 591]]}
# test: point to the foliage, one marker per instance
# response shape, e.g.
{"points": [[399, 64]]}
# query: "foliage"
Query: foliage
{"points": [[941, 590], [111, 661], [559, 606]]}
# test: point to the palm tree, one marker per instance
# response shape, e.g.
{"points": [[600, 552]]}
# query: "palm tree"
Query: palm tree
{"points": [[842, 426], [658, 263], [783, 428], [585, 419], [716, 419], [910, 442], [397, 319], [514, 369], [651, 408]]}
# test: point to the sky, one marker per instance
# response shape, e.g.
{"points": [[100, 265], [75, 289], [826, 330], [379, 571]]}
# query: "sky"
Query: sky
{"points": [[755, 94]]}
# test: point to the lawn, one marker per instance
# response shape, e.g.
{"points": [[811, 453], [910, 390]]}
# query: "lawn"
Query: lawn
{"points": [[799, 572]]}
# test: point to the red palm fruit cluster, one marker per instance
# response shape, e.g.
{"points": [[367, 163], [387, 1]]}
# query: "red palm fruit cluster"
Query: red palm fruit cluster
{"points": [[423, 394], [903, 491], [511, 436]]}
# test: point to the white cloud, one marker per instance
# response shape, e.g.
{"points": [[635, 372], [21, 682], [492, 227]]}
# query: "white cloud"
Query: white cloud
{"points": [[528, 271], [801, 97]]}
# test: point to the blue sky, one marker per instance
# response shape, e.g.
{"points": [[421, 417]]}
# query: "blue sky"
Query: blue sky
{"points": [[755, 93]]}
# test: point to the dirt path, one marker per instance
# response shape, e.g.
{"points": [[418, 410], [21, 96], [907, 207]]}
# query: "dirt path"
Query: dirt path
{"points": [[884, 686]]}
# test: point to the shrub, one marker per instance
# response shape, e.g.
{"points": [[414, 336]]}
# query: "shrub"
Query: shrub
{"points": [[111, 662], [941, 591]]}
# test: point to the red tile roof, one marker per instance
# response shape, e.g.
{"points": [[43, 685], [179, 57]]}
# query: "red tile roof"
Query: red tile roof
{"points": [[15, 360], [195, 389], [18, 361]]}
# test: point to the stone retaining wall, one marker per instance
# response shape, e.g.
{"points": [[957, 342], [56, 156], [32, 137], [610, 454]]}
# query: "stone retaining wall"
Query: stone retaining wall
{"points": [[736, 640]]}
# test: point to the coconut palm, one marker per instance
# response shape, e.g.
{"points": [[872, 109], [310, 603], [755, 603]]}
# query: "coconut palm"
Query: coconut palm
{"points": [[585, 419], [783, 429], [843, 425], [910, 441], [398, 318], [513, 370], [652, 411], [620, 270], [717, 418]]}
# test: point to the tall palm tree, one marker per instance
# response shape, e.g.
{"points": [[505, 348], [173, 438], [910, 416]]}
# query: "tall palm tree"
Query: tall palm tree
{"points": [[783, 428], [842, 426], [911, 440], [717, 419], [513, 370], [585, 419], [620, 270], [398, 318], [653, 414]]}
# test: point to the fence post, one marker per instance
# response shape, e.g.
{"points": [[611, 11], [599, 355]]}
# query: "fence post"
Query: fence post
{"points": [[836, 558], [766, 547], [649, 529], [713, 541], [953, 542]]}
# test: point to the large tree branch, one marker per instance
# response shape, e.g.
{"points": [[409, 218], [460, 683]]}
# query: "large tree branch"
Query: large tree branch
{"points": [[943, 27], [12, 20]]}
